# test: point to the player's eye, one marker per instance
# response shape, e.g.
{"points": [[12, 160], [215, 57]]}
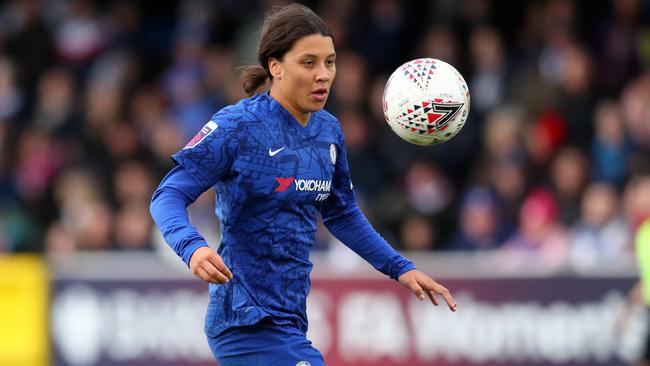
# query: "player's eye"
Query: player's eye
{"points": [[308, 62], [331, 62]]}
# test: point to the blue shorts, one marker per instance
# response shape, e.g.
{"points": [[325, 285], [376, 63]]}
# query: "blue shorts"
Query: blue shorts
{"points": [[264, 344]]}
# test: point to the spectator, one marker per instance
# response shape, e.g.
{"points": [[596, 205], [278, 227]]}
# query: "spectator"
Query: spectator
{"points": [[503, 135], [11, 98], [617, 45], [634, 108], [568, 176], [55, 110], [636, 200], [417, 234], [79, 38], [427, 189], [611, 148], [509, 182], [350, 89], [602, 234], [540, 235], [132, 229], [488, 83], [481, 226]]}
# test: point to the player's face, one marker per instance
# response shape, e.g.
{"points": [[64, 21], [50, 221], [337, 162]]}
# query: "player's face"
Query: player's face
{"points": [[302, 79]]}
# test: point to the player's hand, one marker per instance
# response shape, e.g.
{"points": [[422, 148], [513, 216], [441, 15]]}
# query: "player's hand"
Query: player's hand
{"points": [[420, 284], [207, 265]]}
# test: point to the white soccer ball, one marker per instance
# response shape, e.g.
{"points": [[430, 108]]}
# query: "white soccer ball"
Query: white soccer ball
{"points": [[426, 101]]}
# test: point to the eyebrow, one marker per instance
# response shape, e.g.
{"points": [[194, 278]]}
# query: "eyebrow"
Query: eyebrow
{"points": [[312, 55]]}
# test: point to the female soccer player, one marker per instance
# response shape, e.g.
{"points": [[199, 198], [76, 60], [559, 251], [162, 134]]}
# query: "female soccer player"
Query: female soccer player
{"points": [[275, 160]]}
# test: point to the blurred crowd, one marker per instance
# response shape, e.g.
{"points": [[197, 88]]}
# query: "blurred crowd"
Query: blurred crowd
{"points": [[553, 161]]}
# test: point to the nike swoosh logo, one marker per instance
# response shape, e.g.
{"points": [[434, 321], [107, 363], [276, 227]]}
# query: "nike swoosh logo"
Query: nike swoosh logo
{"points": [[275, 152]]}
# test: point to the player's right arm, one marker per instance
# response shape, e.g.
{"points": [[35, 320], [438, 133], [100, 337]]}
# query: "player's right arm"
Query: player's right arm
{"points": [[200, 164], [169, 211]]}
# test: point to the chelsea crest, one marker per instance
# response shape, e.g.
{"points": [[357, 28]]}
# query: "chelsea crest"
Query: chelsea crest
{"points": [[333, 154]]}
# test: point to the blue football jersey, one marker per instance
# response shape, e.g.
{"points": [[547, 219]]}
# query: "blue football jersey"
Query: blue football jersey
{"points": [[272, 177]]}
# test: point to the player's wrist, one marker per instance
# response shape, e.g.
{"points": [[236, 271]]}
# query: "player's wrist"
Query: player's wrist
{"points": [[404, 268], [189, 251]]}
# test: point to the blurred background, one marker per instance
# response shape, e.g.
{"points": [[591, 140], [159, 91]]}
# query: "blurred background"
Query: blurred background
{"points": [[537, 200]]}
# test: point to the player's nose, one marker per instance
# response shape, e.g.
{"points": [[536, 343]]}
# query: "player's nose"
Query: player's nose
{"points": [[322, 73]]}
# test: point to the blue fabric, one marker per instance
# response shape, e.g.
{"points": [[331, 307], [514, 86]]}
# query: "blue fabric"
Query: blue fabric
{"points": [[168, 209], [272, 177], [263, 344], [355, 231]]}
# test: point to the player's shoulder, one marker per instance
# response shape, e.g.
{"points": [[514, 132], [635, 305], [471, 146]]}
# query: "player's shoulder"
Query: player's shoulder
{"points": [[231, 123], [248, 110], [326, 116], [229, 115], [329, 121]]}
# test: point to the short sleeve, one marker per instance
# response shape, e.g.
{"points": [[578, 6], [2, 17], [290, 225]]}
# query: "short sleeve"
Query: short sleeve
{"points": [[342, 197], [208, 157]]}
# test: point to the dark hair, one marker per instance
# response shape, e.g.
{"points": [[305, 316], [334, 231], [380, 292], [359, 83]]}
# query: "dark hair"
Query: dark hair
{"points": [[283, 26]]}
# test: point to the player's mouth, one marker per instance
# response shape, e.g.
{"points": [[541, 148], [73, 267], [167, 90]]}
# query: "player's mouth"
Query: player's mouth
{"points": [[320, 94]]}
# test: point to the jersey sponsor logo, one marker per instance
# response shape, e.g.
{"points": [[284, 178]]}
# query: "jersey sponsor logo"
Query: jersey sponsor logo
{"points": [[312, 185], [303, 363], [275, 152], [284, 183], [333, 154], [205, 131], [303, 185]]}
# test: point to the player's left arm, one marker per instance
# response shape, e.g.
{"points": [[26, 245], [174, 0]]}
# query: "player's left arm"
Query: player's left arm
{"points": [[343, 218]]}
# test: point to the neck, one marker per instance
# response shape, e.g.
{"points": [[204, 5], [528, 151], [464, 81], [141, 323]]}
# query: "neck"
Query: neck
{"points": [[302, 118]]}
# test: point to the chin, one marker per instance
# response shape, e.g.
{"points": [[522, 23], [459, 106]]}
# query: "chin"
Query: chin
{"points": [[317, 106], [313, 107]]}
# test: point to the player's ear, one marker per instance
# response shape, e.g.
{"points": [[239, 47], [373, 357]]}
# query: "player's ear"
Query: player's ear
{"points": [[275, 68]]}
